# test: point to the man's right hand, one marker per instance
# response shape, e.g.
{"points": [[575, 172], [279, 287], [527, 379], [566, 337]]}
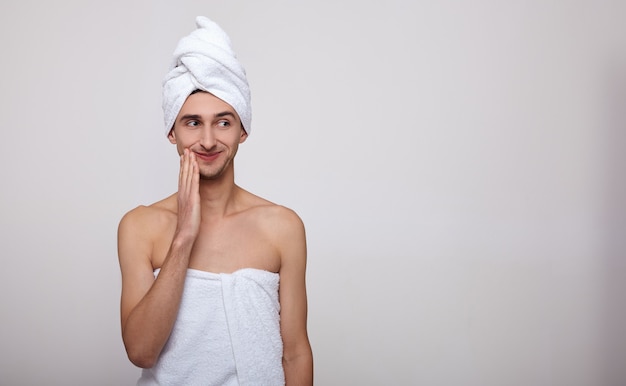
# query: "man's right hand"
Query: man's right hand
{"points": [[188, 196]]}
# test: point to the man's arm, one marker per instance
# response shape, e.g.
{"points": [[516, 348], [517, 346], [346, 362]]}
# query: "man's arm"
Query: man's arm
{"points": [[148, 306], [297, 355]]}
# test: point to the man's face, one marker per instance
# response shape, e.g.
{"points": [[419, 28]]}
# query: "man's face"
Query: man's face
{"points": [[210, 128]]}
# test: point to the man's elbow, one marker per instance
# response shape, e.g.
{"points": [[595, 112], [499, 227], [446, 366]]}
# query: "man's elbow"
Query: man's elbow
{"points": [[141, 358], [301, 354]]}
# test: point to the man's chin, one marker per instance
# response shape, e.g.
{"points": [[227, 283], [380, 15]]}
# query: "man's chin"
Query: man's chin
{"points": [[209, 177]]}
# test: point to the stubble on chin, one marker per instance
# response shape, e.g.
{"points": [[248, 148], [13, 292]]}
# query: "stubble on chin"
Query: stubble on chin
{"points": [[209, 177], [213, 174]]}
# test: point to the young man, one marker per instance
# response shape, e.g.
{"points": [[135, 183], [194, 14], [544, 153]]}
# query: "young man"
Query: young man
{"points": [[213, 277]]}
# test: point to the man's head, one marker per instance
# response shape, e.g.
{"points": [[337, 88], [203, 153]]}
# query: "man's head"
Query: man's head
{"points": [[210, 128], [204, 60]]}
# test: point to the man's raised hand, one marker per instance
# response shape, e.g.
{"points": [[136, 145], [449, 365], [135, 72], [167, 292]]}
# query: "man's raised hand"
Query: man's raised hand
{"points": [[188, 196]]}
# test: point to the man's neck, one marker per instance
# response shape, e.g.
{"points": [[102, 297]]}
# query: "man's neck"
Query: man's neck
{"points": [[217, 197]]}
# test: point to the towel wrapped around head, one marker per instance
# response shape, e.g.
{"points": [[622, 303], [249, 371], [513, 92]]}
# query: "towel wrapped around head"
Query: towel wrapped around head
{"points": [[205, 60]]}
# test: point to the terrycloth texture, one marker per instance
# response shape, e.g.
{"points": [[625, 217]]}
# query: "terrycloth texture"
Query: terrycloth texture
{"points": [[205, 60], [227, 332]]}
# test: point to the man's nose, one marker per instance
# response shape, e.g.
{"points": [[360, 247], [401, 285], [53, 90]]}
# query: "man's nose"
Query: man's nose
{"points": [[208, 139]]}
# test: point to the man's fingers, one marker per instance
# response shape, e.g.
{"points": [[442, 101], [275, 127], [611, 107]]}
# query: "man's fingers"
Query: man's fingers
{"points": [[180, 172], [192, 169], [189, 171], [189, 176], [185, 170], [196, 173]]}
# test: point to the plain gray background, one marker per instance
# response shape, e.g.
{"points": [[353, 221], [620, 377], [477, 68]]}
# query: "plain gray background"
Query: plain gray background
{"points": [[459, 167]]}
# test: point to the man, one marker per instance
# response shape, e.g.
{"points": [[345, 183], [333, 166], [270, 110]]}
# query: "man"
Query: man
{"points": [[213, 277]]}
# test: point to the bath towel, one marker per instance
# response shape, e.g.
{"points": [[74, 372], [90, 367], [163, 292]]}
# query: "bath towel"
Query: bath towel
{"points": [[227, 332], [205, 60]]}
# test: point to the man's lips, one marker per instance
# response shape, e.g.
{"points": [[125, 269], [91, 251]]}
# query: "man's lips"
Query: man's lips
{"points": [[208, 156]]}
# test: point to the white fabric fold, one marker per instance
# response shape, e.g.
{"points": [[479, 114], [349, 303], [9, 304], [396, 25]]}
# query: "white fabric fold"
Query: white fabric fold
{"points": [[252, 310], [205, 60]]}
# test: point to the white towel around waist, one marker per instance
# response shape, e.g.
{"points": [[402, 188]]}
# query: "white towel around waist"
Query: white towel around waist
{"points": [[227, 332]]}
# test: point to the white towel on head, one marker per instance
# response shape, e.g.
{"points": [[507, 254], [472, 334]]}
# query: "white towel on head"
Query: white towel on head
{"points": [[205, 60]]}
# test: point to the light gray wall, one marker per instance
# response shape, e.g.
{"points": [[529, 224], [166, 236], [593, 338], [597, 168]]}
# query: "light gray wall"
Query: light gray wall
{"points": [[459, 167]]}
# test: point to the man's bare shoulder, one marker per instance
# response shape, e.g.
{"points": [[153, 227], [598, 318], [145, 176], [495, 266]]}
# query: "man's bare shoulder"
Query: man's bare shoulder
{"points": [[271, 212], [280, 215], [283, 227], [151, 217], [280, 224]]}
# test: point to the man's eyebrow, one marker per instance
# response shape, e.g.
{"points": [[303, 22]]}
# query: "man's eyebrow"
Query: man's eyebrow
{"points": [[199, 117], [189, 116], [224, 113]]}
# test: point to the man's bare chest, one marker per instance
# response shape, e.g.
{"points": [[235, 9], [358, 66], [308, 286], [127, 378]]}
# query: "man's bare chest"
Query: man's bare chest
{"points": [[226, 247]]}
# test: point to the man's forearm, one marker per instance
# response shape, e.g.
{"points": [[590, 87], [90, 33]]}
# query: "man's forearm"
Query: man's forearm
{"points": [[150, 323]]}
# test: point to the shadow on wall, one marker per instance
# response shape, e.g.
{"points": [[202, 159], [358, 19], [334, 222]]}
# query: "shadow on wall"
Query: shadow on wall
{"points": [[615, 228]]}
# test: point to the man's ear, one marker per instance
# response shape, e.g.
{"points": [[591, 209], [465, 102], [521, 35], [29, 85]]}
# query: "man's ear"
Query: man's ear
{"points": [[172, 136], [243, 136]]}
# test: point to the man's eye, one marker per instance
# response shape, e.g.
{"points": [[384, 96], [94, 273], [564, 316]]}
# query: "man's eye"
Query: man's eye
{"points": [[193, 123], [223, 123]]}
